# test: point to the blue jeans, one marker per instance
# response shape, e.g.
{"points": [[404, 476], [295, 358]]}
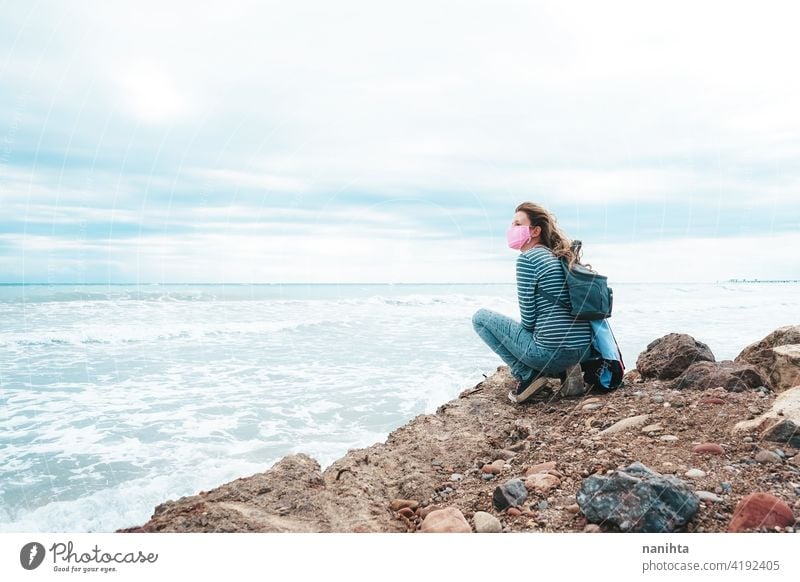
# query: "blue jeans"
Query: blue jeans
{"points": [[517, 348]]}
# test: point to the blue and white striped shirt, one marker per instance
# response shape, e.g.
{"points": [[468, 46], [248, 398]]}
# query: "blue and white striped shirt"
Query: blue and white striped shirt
{"points": [[552, 325]]}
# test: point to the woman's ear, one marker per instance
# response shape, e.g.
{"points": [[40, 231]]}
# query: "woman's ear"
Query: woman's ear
{"points": [[536, 231]]}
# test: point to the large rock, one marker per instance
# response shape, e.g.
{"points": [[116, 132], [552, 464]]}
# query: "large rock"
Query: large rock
{"points": [[669, 356], [734, 377], [447, 520], [777, 357], [760, 510], [637, 499], [779, 423]]}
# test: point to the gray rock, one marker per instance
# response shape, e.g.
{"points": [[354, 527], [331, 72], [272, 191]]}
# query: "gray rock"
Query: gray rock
{"points": [[708, 496], [510, 494], [486, 523], [542, 505], [695, 474], [456, 477], [784, 431], [637, 499], [487, 476], [764, 456], [626, 424]]}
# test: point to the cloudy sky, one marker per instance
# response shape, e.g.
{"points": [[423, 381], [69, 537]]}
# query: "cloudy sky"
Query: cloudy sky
{"points": [[390, 142]]}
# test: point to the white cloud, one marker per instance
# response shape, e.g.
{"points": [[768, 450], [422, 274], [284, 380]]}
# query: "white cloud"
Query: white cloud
{"points": [[150, 92], [699, 259]]}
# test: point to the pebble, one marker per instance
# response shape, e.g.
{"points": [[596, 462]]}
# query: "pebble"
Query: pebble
{"points": [[407, 512], [487, 477], [505, 454], [574, 508], [541, 468], [447, 520], [708, 449], [712, 400], [669, 438], [513, 512], [486, 523], [591, 406], [708, 496], [726, 487], [542, 482], [456, 477], [510, 494], [586, 443], [748, 439], [626, 424], [764, 456], [695, 474], [542, 505], [780, 453], [592, 528], [759, 510], [652, 428], [658, 398], [491, 469]]}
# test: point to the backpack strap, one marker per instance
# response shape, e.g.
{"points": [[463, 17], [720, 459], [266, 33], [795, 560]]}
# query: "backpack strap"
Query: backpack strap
{"points": [[549, 296]]}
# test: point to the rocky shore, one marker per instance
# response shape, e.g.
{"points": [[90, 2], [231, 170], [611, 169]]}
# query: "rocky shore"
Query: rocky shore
{"points": [[687, 444]]}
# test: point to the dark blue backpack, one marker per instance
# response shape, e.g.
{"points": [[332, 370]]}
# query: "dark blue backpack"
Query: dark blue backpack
{"points": [[590, 297]]}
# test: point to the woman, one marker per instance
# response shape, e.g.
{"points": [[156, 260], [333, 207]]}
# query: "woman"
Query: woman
{"points": [[549, 340]]}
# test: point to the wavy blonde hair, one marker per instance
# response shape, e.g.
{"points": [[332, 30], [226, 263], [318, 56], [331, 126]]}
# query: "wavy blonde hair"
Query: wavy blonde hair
{"points": [[552, 236]]}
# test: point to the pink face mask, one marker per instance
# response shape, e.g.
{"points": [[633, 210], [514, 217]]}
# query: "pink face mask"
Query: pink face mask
{"points": [[518, 235]]}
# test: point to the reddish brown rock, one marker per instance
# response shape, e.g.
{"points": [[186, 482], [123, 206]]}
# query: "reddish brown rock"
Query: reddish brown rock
{"points": [[513, 512], [447, 520], [712, 400], [407, 512], [759, 510], [541, 468], [708, 449], [542, 482], [398, 504]]}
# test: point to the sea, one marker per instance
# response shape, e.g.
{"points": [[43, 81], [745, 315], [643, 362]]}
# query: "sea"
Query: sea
{"points": [[115, 398]]}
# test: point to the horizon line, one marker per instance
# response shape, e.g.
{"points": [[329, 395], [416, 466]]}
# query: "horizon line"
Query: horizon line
{"points": [[156, 284]]}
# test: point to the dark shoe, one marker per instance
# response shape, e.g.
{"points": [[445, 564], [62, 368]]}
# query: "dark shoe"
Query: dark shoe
{"points": [[524, 390]]}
